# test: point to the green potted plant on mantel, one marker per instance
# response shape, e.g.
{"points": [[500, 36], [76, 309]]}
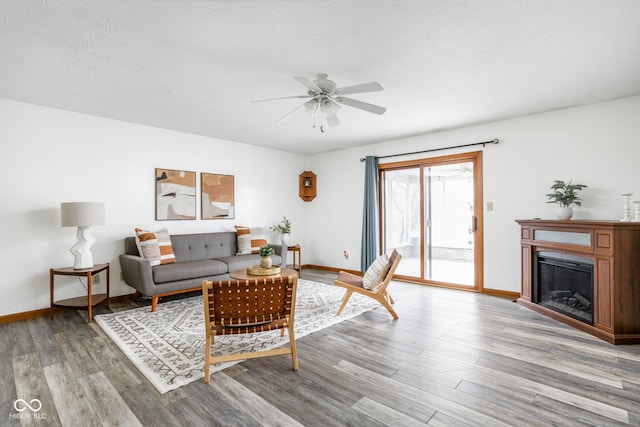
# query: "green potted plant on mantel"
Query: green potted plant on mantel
{"points": [[265, 253], [565, 195], [284, 229]]}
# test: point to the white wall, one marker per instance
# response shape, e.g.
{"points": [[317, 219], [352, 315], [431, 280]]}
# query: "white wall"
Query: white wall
{"points": [[597, 145], [51, 156]]}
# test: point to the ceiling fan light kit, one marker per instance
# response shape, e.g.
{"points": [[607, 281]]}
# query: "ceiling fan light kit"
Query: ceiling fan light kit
{"points": [[326, 97]]}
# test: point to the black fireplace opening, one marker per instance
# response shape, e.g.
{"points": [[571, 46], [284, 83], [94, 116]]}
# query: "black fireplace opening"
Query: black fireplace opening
{"points": [[564, 283]]}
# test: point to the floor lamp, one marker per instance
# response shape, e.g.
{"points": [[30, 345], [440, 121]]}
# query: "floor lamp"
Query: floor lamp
{"points": [[82, 215]]}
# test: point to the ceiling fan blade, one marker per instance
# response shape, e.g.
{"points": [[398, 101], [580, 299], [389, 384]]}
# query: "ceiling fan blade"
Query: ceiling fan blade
{"points": [[286, 116], [308, 83], [361, 88], [332, 120], [361, 105], [283, 97]]}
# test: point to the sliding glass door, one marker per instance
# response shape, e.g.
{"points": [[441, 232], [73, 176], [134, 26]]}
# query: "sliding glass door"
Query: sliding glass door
{"points": [[431, 213]]}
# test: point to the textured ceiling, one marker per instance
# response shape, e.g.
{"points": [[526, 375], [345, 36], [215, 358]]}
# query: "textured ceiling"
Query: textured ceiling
{"points": [[195, 66]]}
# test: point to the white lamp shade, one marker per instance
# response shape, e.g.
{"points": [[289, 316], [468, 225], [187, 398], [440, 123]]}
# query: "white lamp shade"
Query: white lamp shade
{"points": [[329, 107], [311, 106], [81, 214]]}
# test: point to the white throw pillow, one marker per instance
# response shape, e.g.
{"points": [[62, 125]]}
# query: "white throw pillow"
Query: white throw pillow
{"points": [[155, 246], [376, 272], [250, 239]]}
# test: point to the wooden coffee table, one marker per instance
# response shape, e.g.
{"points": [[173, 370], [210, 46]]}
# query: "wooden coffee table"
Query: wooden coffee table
{"points": [[242, 274]]}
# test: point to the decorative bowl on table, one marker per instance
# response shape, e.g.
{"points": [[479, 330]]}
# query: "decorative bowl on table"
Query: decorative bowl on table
{"points": [[256, 270]]}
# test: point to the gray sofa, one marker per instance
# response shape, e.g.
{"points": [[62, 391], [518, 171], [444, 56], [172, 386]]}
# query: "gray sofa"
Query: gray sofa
{"points": [[209, 256]]}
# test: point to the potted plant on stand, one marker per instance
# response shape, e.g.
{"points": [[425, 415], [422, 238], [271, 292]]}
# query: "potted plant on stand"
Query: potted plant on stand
{"points": [[284, 228], [565, 194], [265, 253]]}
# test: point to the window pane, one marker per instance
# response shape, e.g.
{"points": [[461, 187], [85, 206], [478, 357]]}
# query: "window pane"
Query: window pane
{"points": [[449, 238], [402, 218]]}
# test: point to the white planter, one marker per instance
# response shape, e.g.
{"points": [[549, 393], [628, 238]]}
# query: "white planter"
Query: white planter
{"points": [[265, 262], [564, 212], [284, 239]]}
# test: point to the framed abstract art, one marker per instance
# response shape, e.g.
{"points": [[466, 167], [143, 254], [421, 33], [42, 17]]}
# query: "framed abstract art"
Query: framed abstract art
{"points": [[217, 196], [175, 195]]}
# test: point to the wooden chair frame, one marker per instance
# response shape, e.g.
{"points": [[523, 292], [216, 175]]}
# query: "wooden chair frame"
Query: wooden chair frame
{"points": [[233, 307], [353, 283]]}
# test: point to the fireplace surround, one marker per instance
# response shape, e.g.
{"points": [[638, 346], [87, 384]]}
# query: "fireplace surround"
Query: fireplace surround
{"points": [[584, 273]]}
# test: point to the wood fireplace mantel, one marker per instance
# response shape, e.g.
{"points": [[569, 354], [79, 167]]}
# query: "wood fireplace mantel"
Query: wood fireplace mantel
{"points": [[614, 247]]}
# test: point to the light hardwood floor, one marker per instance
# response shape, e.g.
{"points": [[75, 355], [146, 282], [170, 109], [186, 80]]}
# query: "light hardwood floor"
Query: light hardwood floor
{"points": [[452, 359]]}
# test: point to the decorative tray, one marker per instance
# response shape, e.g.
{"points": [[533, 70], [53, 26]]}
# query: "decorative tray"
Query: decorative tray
{"points": [[256, 270]]}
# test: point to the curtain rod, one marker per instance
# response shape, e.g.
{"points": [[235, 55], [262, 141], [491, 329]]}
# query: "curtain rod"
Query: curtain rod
{"points": [[493, 141]]}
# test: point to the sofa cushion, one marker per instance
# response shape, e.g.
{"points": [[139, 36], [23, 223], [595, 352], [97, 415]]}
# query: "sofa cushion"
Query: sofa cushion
{"points": [[241, 262], [201, 246], [188, 270], [155, 246], [250, 239]]}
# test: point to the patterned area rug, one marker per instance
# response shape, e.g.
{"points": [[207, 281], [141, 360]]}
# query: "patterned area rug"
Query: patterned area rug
{"points": [[168, 345]]}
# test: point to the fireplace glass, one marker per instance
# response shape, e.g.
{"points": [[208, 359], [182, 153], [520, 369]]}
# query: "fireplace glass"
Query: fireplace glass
{"points": [[564, 283]]}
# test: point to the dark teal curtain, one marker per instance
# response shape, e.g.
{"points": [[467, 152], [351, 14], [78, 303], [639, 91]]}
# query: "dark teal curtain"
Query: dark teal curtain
{"points": [[369, 249]]}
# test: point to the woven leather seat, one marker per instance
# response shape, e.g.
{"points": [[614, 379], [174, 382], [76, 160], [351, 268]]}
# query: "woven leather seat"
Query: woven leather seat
{"points": [[234, 307]]}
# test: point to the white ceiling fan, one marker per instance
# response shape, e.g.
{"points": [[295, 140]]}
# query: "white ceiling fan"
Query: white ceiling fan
{"points": [[326, 97]]}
